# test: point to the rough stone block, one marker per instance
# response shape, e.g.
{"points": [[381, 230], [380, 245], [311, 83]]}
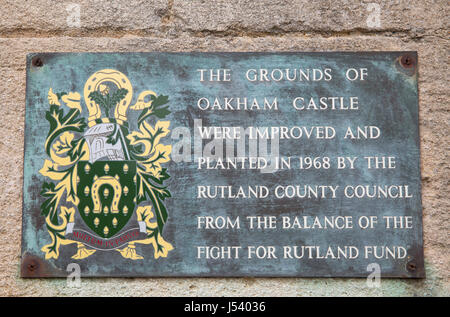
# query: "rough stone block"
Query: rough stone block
{"points": [[43, 16], [265, 16]]}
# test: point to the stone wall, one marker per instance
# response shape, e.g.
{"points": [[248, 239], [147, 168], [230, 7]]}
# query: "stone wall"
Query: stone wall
{"points": [[242, 25]]}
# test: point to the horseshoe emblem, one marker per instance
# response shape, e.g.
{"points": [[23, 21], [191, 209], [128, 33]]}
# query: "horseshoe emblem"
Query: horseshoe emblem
{"points": [[98, 81], [96, 196]]}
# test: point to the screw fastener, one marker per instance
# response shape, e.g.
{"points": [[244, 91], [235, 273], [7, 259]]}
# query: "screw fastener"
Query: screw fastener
{"points": [[37, 61], [411, 266], [407, 61]]}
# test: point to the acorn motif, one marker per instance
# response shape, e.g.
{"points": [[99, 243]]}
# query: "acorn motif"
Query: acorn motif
{"points": [[106, 230], [106, 192], [86, 210], [106, 168], [125, 190], [96, 222], [114, 222], [125, 210], [104, 89], [105, 210], [87, 168], [125, 168], [86, 190]]}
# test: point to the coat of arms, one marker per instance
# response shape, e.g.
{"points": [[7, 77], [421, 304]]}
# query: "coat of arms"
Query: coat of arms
{"points": [[106, 184]]}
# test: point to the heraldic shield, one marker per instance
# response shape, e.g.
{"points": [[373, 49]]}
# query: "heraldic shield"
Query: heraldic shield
{"points": [[101, 170], [107, 193]]}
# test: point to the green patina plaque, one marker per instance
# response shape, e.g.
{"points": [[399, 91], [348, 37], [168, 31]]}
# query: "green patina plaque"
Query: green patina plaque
{"points": [[222, 164]]}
